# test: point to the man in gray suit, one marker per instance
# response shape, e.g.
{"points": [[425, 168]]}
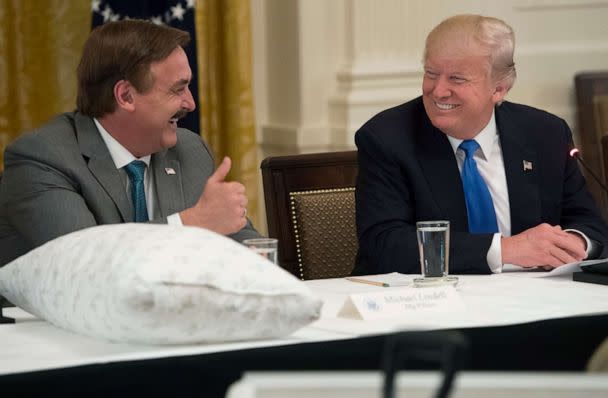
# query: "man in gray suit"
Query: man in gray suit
{"points": [[75, 172]]}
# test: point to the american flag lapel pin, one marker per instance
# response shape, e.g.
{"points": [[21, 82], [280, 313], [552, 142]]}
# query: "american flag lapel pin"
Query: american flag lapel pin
{"points": [[169, 171], [527, 165]]}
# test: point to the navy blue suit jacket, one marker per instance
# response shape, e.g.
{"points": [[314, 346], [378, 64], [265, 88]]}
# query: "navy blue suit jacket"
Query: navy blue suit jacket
{"points": [[408, 173]]}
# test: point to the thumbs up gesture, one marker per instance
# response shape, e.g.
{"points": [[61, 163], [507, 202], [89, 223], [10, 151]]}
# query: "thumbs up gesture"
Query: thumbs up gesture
{"points": [[222, 205]]}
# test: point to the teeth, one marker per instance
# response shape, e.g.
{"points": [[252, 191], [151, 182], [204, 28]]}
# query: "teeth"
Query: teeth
{"points": [[445, 107], [174, 120]]}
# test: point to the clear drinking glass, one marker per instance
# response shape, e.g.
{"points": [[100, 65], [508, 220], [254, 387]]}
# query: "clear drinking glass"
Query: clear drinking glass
{"points": [[266, 247], [434, 249]]}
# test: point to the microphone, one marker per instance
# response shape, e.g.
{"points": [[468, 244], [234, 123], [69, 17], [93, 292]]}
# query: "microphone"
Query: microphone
{"points": [[576, 154]]}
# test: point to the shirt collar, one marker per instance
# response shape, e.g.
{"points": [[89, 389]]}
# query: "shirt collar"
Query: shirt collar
{"points": [[485, 138], [120, 155]]}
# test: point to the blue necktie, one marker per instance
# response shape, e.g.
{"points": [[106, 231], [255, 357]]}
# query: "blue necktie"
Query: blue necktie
{"points": [[480, 209], [136, 170]]}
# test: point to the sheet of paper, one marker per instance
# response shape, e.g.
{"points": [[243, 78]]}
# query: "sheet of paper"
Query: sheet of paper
{"points": [[566, 269]]}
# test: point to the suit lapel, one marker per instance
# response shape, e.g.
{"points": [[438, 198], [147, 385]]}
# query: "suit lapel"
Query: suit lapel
{"points": [[440, 169], [168, 181], [101, 165], [522, 180]]}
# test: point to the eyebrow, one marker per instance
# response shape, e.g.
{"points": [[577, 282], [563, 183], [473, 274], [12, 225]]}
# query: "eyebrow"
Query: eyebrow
{"points": [[181, 82]]}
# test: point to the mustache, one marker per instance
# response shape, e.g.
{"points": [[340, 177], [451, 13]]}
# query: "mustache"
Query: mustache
{"points": [[180, 114]]}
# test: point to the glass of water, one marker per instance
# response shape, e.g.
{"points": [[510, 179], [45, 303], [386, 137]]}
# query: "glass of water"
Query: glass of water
{"points": [[434, 249], [266, 247]]}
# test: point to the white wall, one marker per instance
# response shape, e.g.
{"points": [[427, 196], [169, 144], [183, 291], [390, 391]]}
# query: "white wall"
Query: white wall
{"points": [[323, 67]]}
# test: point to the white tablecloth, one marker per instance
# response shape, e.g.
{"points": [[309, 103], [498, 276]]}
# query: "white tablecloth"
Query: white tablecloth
{"points": [[491, 300]]}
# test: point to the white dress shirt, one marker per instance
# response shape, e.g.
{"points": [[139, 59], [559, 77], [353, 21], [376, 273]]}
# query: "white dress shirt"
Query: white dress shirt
{"points": [[122, 157], [492, 169]]}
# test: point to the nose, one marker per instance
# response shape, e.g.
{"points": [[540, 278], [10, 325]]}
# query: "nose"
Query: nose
{"points": [[442, 88], [188, 101]]}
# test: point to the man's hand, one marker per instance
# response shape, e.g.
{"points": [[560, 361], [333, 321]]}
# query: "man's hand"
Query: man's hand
{"points": [[544, 245], [222, 205]]}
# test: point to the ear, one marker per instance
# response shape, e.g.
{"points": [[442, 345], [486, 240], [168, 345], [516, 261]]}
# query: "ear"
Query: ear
{"points": [[500, 90], [123, 93]]}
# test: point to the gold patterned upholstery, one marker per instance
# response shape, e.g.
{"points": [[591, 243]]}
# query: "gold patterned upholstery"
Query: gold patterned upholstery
{"points": [[324, 230], [312, 194]]}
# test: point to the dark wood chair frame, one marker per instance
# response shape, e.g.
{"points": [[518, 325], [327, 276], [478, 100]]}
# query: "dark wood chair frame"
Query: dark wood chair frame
{"points": [[4, 302], [590, 85], [285, 174]]}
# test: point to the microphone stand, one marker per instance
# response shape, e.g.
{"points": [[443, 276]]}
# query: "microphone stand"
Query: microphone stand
{"points": [[575, 153]]}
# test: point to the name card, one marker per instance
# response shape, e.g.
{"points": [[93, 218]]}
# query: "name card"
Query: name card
{"points": [[400, 302]]}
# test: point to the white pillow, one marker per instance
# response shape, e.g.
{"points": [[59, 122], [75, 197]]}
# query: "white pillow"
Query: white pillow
{"points": [[158, 284]]}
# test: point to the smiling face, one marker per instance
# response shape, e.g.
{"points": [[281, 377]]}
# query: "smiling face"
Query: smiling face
{"points": [[157, 109], [459, 93]]}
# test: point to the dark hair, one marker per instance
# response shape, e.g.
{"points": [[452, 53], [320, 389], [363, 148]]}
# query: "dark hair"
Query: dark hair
{"points": [[121, 50]]}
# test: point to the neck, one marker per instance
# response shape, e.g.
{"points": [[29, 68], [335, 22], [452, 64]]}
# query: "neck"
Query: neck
{"points": [[123, 132]]}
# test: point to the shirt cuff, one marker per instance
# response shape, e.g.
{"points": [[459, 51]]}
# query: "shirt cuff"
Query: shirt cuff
{"points": [[494, 255], [174, 219], [589, 244]]}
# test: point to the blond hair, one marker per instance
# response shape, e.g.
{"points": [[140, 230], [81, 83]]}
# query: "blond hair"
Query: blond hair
{"points": [[492, 36]]}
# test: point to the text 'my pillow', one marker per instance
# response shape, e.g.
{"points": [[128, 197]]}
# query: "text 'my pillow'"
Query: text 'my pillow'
{"points": [[157, 284]]}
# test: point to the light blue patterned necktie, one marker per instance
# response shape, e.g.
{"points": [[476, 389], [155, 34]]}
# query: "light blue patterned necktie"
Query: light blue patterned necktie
{"points": [[480, 208], [136, 170]]}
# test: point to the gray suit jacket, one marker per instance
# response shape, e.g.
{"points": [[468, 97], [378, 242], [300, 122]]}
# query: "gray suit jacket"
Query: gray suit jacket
{"points": [[61, 178]]}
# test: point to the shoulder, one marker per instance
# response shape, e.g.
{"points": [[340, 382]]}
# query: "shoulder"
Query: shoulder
{"points": [[397, 116], [527, 114], [538, 126], [394, 129], [57, 134], [52, 148]]}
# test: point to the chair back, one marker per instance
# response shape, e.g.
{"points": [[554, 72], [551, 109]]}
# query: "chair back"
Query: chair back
{"points": [[4, 302], [310, 208], [592, 109]]}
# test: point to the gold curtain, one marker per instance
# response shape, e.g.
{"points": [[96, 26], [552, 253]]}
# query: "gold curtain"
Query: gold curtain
{"points": [[223, 39], [40, 44]]}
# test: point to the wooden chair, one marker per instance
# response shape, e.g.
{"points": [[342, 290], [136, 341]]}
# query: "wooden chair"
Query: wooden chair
{"points": [[4, 302], [592, 109], [310, 208]]}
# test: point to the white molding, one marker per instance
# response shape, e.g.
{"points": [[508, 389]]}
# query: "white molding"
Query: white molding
{"points": [[563, 48], [541, 5], [363, 92], [328, 66]]}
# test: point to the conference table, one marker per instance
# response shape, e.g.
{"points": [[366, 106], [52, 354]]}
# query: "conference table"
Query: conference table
{"points": [[514, 321]]}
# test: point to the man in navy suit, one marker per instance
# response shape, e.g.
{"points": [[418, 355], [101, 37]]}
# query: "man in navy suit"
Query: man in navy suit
{"points": [[411, 160]]}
